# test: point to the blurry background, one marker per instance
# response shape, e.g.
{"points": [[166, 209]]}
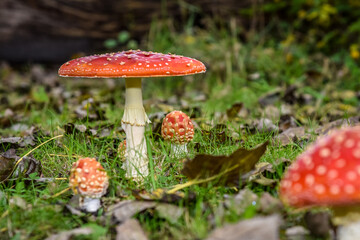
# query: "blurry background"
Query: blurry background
{"points": [[260, 54]]}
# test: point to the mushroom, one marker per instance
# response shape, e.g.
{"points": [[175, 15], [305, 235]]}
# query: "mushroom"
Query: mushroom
{"points": [[328, 174], [179, 130], [133, 65], [88, 179]]}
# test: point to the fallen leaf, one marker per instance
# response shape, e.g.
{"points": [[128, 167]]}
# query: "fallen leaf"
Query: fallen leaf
{"points": [[269, 204], [6, 165], [130, 230], [241, 201], [292, 135], [234, 110], [124, 210], [265, 125], [228, 168], [325, 129], [67, 235], [258, 228], [271, 97], [27, 166], [19, 202], [169, 212], [264, 181], [10, 142]]}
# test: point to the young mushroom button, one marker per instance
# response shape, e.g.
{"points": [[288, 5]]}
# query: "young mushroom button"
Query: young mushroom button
{"points": [[328, 174], [133, 65], [179, 130], [90, 181]]}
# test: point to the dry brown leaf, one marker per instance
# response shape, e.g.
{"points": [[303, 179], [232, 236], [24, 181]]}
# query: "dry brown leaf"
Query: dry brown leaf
{"points": [[170, 212], [67, 235], [258, 228], [292, 134], [27, 166], [130, 230], [228, 168], [124, 210]]}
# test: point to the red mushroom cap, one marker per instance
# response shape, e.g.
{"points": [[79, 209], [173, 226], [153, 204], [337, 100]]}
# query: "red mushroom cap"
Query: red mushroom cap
{"points": [[177, 128], [131, 64], [327, 174], [89, 178]]}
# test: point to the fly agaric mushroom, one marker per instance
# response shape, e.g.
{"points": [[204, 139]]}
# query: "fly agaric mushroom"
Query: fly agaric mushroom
{"points": [[133, 65], [88, 179], [179, 130], [328, 174]]}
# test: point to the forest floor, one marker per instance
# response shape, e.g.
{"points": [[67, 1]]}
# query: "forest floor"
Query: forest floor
{"points": [[273, 96]]}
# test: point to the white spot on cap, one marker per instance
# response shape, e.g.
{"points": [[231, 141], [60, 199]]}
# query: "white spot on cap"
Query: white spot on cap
{"points": [[122, 63], [351, 175], [294, 166], [339, 138], [286, 183], [321, 170], [295, 177], [349, 143], [340, 163], [309, 179], [307, 160], [356, 153], [349, 189], [325, 152], [334, 189], [319, 189]]}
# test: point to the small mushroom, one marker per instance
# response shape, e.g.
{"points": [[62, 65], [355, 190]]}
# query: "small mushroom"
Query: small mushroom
{"points": [[179, 130], [133, 65], [328, 174], [88, 179]]}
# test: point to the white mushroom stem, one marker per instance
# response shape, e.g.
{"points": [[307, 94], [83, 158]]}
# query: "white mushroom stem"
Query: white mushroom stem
{"points": [[133, 122], [349, 231], [178, 150], [347, 220], [90, 205]]}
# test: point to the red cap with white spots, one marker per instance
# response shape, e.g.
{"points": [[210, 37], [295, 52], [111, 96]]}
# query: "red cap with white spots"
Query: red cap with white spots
{"points": [[89, 178], [177, 128], [132, 63], [327, 174]]}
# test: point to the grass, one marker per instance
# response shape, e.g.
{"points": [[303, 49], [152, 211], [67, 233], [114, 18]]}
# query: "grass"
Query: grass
{"points": [[237, 72]]}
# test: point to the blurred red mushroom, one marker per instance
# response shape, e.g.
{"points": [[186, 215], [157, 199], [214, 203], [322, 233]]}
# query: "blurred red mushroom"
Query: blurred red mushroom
{"points": [[328, 174], [88, 179], [179, 130], [133, 65]]}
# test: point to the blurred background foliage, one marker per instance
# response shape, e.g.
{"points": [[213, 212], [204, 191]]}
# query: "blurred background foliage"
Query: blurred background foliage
{"points": [[251, 48]]}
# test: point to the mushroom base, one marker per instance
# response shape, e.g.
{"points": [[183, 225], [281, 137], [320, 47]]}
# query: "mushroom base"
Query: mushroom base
{"points": [[349, 232], [347, 218], [178, 150], [90, 205], [136, 163]]}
